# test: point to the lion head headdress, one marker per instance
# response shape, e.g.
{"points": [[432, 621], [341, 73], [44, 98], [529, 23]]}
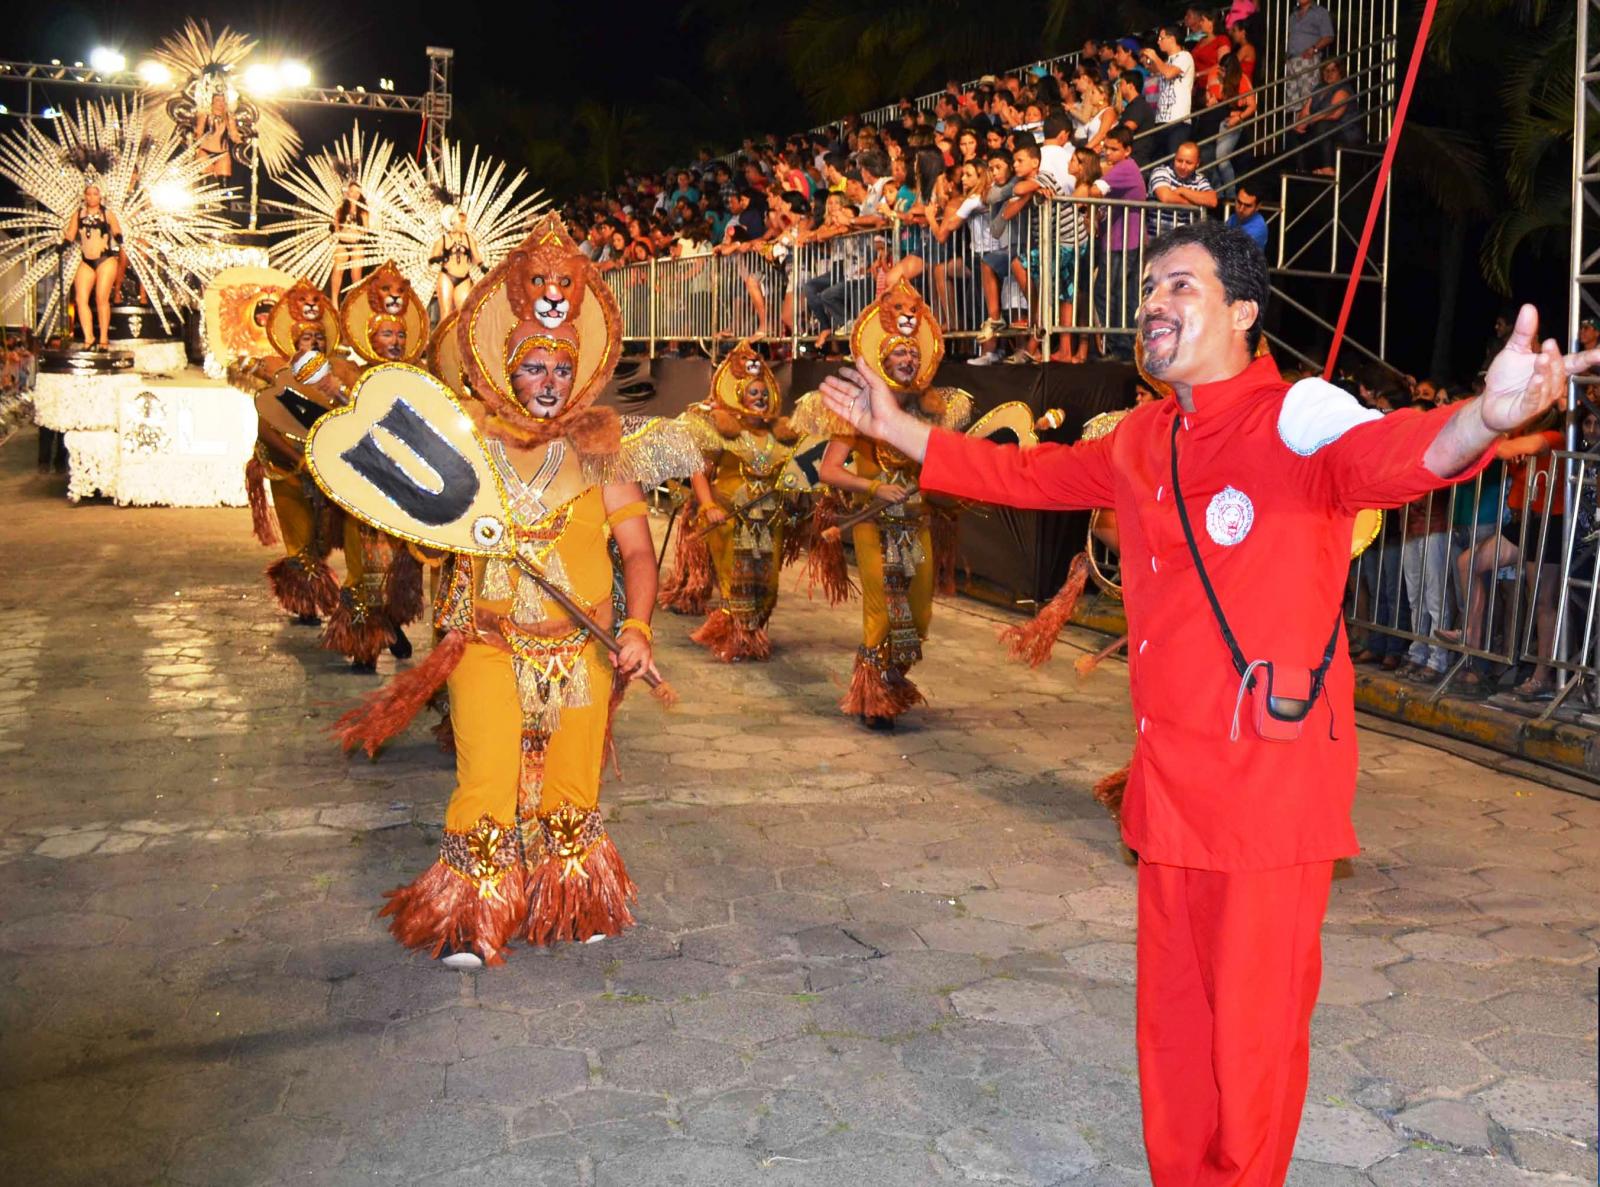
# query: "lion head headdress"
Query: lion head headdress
{"points": [[899, 319], [546, 296], [381, 310]]}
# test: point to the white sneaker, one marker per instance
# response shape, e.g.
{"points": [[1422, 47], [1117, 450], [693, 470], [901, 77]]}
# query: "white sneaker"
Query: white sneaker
{"points": [[987, 359], [462, 962], [597, 937]]}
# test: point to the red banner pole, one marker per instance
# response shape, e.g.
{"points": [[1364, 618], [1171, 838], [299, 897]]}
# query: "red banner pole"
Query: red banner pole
{"points": [[1378, 190]]}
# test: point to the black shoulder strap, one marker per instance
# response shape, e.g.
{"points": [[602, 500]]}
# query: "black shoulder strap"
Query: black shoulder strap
{"points": [[1240, 664]]}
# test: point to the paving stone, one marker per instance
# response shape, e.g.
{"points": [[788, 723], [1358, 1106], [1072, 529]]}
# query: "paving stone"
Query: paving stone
{"points": [[1018, 1003], [1545, 1013], [1552, 1154], [742, 1019], [1451, 1123], [1344, 1136], [1343, 985], [516, 1074], [1030, 1153], [679, 1164], [1554, 1107], [676, 1067], [1543, 943], [264, 1148], [1416, 1063], [1430, 1168], [424, 1141]]}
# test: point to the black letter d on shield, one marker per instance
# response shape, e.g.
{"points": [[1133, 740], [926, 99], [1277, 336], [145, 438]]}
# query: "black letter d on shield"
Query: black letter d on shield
{"points": [[458, 482]]}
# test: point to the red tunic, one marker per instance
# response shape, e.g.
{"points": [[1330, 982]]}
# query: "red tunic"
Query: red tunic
{"points": [[1274, 525]]}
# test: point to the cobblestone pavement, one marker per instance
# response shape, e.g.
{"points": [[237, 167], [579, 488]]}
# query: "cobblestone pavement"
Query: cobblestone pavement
{"points": [[900, 959]]}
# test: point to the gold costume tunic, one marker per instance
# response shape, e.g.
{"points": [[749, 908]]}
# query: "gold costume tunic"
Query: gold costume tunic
{"points": [[531, 693], [895, 554], [747, 548]]}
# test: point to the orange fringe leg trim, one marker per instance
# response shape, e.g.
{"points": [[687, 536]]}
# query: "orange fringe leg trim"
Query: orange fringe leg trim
{"points": [[402, 587], [1110, 790], [875, 695], [303, 587], [579, 897], [360, 636], [263, 522], [1034, 641], [385, 714], [825, 565], [688, 588], [444, 909], [724, 638]]}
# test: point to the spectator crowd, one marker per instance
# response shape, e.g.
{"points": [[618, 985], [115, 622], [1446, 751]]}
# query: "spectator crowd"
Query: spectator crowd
{"points": [[946, 196]]}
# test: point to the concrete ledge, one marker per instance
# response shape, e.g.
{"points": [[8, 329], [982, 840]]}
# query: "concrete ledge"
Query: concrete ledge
{"points": [[1565, 746]]}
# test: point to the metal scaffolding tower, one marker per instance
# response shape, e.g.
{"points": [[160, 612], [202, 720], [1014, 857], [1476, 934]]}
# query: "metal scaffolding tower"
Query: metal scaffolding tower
{"points": [[437, 104], [1583, 266]]}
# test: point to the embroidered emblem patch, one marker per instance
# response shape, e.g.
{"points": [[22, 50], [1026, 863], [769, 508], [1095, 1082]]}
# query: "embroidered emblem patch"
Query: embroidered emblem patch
{"points": [[1229, 516]]}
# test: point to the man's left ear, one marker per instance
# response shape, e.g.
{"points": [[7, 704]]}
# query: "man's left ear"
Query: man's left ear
{"points": [[1245, 314]]}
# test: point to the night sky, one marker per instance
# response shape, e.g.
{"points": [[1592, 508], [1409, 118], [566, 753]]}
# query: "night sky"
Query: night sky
{"points": [[613, 52]]}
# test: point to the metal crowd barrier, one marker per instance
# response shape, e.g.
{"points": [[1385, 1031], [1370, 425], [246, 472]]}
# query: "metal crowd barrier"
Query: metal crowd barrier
{"points": [[1097, 248], [1481, 587]]}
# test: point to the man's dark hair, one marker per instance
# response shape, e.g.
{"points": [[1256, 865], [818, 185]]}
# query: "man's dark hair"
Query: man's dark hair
{"points": [[1241, 267], [876, 163], [1001, 154], [1057, 124], [1121, 135], [836, 160], [1247, 188], [1026, 148]]}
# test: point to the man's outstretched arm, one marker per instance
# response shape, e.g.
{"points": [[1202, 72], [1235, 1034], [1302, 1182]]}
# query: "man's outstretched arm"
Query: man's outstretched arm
{"points": [[1045, 478]]}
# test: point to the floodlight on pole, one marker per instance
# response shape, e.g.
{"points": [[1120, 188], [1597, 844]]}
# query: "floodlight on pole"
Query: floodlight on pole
{"points": [[295, 74], [153, 73]]}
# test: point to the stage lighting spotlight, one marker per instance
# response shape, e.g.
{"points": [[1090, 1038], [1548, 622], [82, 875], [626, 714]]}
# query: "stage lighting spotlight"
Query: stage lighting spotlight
{"points": [[108, 61], [262, 79], [171, 195], [153, 73], [50, 113], [295, 74], [55, 61]]}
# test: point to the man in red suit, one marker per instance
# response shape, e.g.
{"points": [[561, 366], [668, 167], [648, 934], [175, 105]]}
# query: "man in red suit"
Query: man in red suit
{"points": [[1239, 799]]}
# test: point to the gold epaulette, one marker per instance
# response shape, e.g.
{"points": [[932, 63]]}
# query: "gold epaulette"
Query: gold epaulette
{"points": [[654, 449]]}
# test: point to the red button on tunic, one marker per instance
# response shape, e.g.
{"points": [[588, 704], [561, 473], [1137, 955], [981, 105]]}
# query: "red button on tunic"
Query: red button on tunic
{"points": [[1274, 527]]}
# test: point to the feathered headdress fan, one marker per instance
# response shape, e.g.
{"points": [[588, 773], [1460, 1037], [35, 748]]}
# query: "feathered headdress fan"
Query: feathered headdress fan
{"points": [[496, 217], [303, 240], [201, 64], [171, 219]]}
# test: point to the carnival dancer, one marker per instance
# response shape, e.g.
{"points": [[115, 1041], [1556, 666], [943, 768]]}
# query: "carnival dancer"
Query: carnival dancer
{"points": [[457, 257], [1236, 501], [98, 233], [743, 514], [351, 221], [532, 691], [903, 545], [383, 321], [299, 381], [216, 132]]}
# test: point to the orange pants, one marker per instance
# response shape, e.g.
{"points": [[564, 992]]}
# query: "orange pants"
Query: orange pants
{"points": [[1229, 965]]}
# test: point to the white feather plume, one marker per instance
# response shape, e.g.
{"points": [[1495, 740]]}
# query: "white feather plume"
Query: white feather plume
{"points": [[169, 209], [496, 217]]}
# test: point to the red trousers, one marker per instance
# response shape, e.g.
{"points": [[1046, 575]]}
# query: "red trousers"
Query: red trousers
{"points": [[1229, 965]]}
